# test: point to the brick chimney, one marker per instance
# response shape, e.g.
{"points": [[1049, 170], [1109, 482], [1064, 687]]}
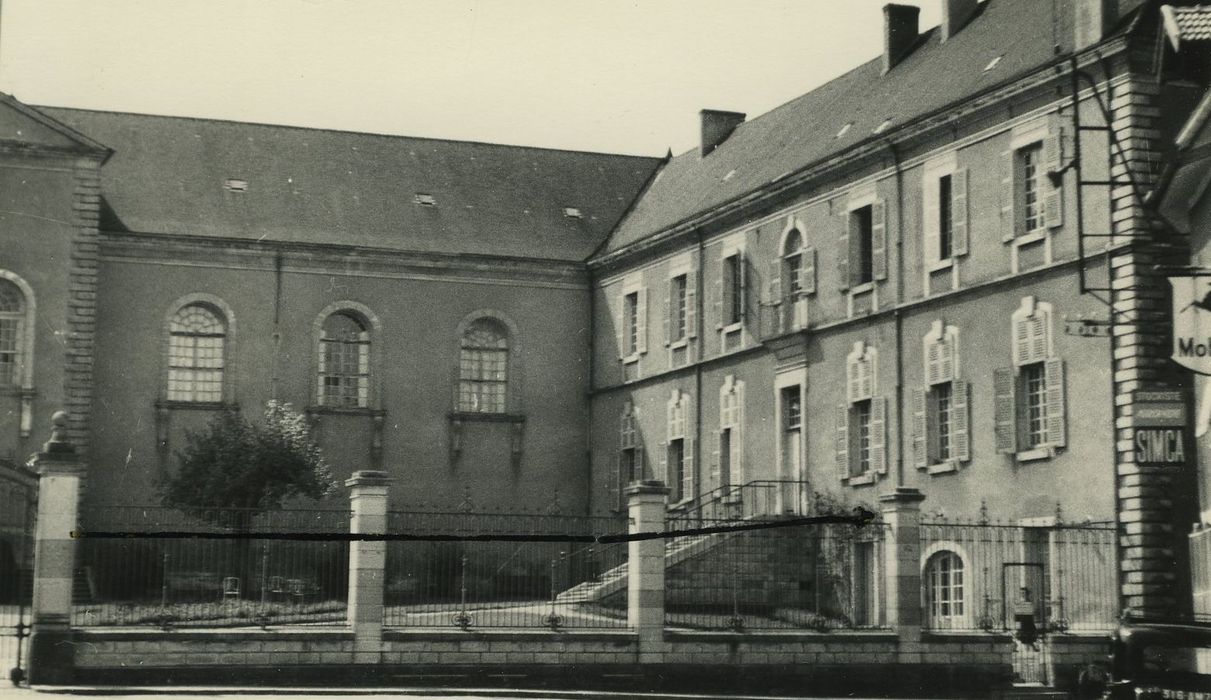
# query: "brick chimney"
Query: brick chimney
{"points": [[956, 14], [1091, 20], [717, 126], [900, 31]]}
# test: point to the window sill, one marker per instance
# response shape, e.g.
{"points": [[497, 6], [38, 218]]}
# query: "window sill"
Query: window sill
{"points": [[862, 479], [679, 343], [1031, 237], [346, 410], [939, 265], [1036, 454], [630, 359], [197, 405], [946, 467], [732, 327], [485, 417], [682, 504]]}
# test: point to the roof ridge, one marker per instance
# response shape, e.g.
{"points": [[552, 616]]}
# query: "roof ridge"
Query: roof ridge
{"points": [[267, 125]]}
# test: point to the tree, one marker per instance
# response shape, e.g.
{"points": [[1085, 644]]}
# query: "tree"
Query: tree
{"points": [[255, 468]]}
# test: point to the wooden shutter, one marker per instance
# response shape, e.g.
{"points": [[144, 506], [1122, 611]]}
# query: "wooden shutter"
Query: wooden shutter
{"points": [[866, 384], [641, 320], [841, 443], [639, 474], [1037, 328], [1005, 409], [1053, 197], [960, 420], [808, 271], [715, 462], [931, 222], [1057, 428], [958, 212], [691, 304], [620, 329], [843, 251], [920, 455], [933, 362], [946, 355], [663, 447], [742, 264], [878, 434], [717, 301], [670, 310], [687, 468], [1008, 196], [1021, 340], [775, 282], [878, 240], [738, 434]]}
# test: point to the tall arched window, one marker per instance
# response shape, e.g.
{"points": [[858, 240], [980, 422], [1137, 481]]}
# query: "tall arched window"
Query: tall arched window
{"points": [[944, 575], [197, 338], [12, 321], [483, 367], [344, 370]]}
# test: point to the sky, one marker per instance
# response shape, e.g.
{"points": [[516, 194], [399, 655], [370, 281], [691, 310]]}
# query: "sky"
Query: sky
{"points": [[606, 75]]}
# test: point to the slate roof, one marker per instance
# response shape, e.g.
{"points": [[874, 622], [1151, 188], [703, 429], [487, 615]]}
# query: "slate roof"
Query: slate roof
{"points": [[804, 131], [1186, 23], [317, 186]]}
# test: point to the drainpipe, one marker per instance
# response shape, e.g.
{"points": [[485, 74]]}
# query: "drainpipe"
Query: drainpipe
{"points": [[589, 381], [700, 284], [897, 315], [277, 318]]}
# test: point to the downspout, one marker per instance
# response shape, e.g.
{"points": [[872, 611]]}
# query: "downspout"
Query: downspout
{"points": [[589, 382], [277, 319], [700, 286], [897, 313]]}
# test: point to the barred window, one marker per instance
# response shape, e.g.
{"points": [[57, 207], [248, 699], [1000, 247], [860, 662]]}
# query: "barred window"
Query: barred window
{"points": [[483, 368], [12, 316], [197, 338], [344, 369]]}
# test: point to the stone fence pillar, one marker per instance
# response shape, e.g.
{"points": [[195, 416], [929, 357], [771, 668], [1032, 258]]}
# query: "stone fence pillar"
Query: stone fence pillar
{"points": [[367, 563], [647, 503], [902, 514], [51, 651]]}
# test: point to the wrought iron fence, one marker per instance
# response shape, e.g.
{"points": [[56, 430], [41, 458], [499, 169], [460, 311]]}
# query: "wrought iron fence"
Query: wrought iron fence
{"points": [[980, 576], [531, 580], [815, 577], [144, 579], [754, 499]]}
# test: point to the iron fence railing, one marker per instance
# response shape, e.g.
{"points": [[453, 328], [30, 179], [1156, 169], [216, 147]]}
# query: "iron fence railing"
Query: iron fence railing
{"points": [[980, 576], [141, 578], [758, 498], [532, 580], [809, 577]]}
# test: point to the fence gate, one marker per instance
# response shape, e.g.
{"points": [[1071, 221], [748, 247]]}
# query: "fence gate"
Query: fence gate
{"points": [[18, 499], [1024, 594]]}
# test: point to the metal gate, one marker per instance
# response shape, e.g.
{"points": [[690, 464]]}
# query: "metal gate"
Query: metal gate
{"points": [[1024, 594], [18, 505]]}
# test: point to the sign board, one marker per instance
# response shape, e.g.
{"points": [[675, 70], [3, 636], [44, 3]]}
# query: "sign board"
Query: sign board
{"points": [[1192, 322], [1161, 434], [1160, 447], [1087, 328]]}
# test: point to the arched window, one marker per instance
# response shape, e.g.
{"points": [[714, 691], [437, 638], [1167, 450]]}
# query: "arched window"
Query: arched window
{"points": [[197, 338], [792, 264], [945, 587], [344, 368], [483, 367], [12, 321]]}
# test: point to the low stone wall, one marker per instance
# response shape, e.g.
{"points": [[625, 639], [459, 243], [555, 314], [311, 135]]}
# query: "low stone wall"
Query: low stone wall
{"points": [[773, 662], [1066, 655]]}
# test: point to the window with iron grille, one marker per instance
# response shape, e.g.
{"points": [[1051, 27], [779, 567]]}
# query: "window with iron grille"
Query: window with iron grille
{"points": [[484, 368], [12, 318], [344, 370], [197, 337]]}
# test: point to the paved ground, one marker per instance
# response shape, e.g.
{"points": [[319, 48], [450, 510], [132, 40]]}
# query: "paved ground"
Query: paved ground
{"points": [[9, 693]]}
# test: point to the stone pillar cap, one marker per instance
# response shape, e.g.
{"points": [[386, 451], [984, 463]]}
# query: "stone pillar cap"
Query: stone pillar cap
{"points": [[647, 486], [369, 477], [903, 494]]}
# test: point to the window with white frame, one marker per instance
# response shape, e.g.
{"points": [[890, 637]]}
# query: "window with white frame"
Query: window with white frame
{"points": [[197, 336], [483, 367], [679, 460], [861, 440], [629, 466], [632, 325], [944, 191], [1032, 183], [12, 330], [730, 453], [792, 277], [344, 361], [941, 417], [946, 590], [1030, 410]]}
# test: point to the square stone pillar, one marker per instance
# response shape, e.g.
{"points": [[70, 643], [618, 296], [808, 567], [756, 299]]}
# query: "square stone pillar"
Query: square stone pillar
{"points": [[647, 503], [367, 563], [902, 557], [51, 650]]}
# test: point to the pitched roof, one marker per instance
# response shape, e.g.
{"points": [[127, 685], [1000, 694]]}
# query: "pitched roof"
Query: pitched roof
{"points": [[168, 175], [1020, 35], [1186, 24]]}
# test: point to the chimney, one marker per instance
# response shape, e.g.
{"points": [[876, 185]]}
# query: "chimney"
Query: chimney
{"points": [[899, 32], [716, 127], [955, 15], [1092, 19]]}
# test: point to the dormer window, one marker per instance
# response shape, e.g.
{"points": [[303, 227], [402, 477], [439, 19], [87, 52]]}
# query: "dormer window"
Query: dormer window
{"points": [[232, 184], [572, 213], [425, 200]]}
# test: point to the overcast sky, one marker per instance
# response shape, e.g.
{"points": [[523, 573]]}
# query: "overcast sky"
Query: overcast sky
{"points": [[616, 75]]}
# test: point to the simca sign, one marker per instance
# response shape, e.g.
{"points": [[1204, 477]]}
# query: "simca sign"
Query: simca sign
{"points": [[1160, 428], [1192, 322]]}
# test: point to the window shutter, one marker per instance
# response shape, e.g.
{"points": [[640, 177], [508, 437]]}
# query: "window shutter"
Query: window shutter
{"points": [[1005, 409], [808, 271], [841, 444], [920, 455], [1038, 337], [843, 252], [1021, 340], [931, 224], [691, 304], [775, 282], [687, 469], [1057, 429], [664, 461], [670, 311], [735, 459], [715, 460], [933, 363], [878, 434], [960, 420], [1008, 196], [670, 417], [641, 320], [866, 373], [853, 384], [946, 366], [620, 328], [742, 264], [639, 474], [958, 212], [878, 240], [717, 301]]}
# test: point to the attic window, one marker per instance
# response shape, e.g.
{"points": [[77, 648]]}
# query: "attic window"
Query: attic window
{"points": [[572, 213], [425, 200], [844, 129], [883, 127], [232, 184], [992, 64]]}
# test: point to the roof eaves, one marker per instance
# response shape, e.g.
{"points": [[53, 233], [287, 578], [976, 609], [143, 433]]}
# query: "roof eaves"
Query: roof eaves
{"points": [[647, 184], [57, 126]]}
